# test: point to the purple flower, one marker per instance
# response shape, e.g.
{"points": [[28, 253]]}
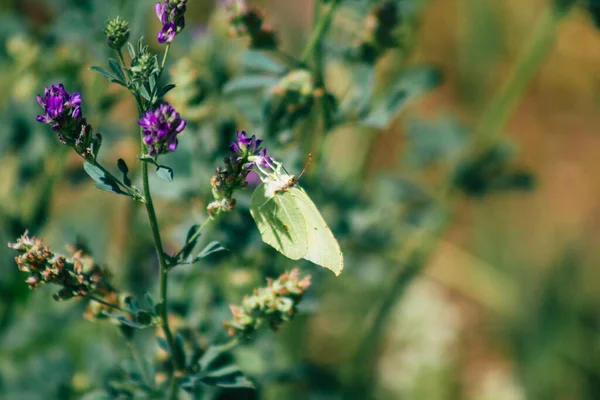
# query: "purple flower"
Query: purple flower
{"points": [[244, 145], [60, 107], [160, 129], [250, 151], [171, 15]]}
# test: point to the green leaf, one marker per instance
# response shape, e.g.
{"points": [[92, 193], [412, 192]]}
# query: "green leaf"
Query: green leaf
{"points": [[189, 246], [149, 300], [212, 247], [440, 141], [152, 82], [104, 72], [227, 377], [115, 67], [407, 88], [140, 45], [124, 320], [158, 308], [165, 172], [131, 50], [262, 61], [216, 369], [104, 181], [143, 318], [162, 343], [132, 303], [96, 143], [122, 165], [132, 324], [165, 90], [144, 92], [250, 82]]}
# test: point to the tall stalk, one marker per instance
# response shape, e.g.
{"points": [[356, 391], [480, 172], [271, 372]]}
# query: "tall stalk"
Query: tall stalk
{"points": [[164, 268], [411, 262]]}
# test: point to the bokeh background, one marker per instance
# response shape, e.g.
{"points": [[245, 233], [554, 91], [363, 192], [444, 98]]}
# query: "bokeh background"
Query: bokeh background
{"points": [[507, 306]]}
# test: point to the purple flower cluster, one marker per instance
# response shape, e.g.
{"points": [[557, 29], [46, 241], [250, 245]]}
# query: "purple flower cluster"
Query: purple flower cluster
{"points": [[248, 149], [61, 109], [246, 152], [160, 129], [171, 15]]}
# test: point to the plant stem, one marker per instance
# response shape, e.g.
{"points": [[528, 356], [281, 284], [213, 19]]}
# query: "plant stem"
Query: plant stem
{"points": [[229, 345], [534, 54], [122, 59], [323, 104], [107, 304], [410, 262], [320, 30], [164, 60], [141, 365], [163, 266], [173, 389]]}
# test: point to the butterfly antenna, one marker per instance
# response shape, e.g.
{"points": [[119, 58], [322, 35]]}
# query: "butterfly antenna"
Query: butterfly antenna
{"points": [[306, 166]]}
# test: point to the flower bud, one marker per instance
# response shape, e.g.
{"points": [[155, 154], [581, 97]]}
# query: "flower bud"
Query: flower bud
{"points": [[143, 66], [77, 275], [246, 152], [117, 33], [171, 15], [271, 305]]}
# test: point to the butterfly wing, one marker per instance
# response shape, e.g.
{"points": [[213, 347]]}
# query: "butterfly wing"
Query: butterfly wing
{"points": [[280, 222], [323, 248]]}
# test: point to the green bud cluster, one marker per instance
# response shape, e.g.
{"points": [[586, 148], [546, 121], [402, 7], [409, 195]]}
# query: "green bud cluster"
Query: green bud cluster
{"points": [[268, 306], [117, 32], [144, 65]]}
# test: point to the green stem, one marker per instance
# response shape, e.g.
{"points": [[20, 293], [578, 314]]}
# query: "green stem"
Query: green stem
{"points": [[141, 365], [127, 72], [229, 345], [323, 102], [164, 60], [163, 267], [107, 304], [320, 30], [409, 263], [412, 261], [528, 64], [173, 389]]}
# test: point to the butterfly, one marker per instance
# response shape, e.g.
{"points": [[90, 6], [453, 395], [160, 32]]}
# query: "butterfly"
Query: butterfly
{"points": [[290, 222]]}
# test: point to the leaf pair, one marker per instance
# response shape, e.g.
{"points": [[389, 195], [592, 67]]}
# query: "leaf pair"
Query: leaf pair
{"points": [[106, 181], [216, 369]]}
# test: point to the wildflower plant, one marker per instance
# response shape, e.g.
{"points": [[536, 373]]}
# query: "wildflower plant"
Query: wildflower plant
{"points": [[160, 130], [245, 119]]}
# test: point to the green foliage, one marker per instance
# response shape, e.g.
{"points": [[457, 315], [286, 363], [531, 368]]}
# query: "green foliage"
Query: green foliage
{"points": [[389, 223]]}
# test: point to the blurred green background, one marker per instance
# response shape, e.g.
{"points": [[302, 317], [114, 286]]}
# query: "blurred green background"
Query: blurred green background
{"points": [[507, 306]]}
